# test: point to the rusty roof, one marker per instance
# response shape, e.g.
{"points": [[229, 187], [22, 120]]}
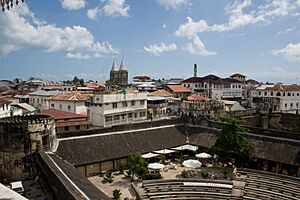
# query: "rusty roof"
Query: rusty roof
{"points": [[71, 96], [179, 89]]}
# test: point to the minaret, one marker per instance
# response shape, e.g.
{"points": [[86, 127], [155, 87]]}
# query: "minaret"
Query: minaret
{"points": [[195, 70]]}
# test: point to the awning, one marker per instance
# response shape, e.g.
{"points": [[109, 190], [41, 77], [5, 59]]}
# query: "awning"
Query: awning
{"points": [[186, 147], [150, 155], [203, 155], [192, 164], [156, 166], [164, 151]]}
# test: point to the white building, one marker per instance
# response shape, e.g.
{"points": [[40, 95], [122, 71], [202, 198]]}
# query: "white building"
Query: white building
{"points": [[55, 85], [6, 110], [74, 102], [215, 87], [39, 99], [279, 97], [112, 109]]}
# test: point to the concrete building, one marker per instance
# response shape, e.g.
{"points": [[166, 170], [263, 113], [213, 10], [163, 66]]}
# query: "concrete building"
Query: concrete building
{"points": [[7, 109], [278, 97], [178, 90], [215, 87], [112, 109], [66, 121], [39, 99], [55, 86], [74, 102], [157, 107]]}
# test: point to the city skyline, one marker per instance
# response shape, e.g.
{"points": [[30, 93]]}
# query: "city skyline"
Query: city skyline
{"points": [[159, 38]]}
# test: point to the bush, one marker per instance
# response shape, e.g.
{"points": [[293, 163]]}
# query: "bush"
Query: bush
{"points": [[117, 194], [204, 175], [121, 169], [184, 174], [108, 177]]}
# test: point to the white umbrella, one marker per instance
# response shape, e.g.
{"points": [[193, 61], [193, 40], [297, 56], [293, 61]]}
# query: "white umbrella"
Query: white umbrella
{"points": [[155, 166], [203, 155], [150, 155], [192, 163], [164, 151], [186, 147]]}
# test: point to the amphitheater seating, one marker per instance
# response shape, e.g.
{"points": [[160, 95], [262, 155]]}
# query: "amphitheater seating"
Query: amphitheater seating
{"points": [[176, 189], [266, 185]]}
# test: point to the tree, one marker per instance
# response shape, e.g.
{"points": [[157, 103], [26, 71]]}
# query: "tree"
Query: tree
{"points": [[230, 144], [138, 165], [117, 194]]}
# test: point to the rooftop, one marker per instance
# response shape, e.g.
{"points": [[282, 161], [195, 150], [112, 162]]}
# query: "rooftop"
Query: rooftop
{"points": [[161, 93], [197, 98], [45, 93], [58, 114], [71, 96], [179, 88]]}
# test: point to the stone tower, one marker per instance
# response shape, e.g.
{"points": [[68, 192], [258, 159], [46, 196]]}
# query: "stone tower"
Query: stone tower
{"points": [[195, 70], [119, 77]]}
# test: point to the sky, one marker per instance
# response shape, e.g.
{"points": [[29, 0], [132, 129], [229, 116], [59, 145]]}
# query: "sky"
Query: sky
{"points": [[58, 39]]}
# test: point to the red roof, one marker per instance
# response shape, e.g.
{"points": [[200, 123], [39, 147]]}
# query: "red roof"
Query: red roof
{"points": [[58, 114], [179, 88], [197, 98], [72, 123]]}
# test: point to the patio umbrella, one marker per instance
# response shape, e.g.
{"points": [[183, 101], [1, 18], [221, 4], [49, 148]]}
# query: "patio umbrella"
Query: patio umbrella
{"points": [[150, 155], [186, 147], [192, 164], [203, 155], [155, 166], [164, 151]]}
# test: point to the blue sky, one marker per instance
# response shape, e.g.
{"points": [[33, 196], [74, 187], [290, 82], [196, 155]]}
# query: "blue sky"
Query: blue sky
{"points": [[58, 39]]}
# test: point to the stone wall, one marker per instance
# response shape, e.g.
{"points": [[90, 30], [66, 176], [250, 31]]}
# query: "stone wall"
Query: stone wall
{"points": [[20, 138]]}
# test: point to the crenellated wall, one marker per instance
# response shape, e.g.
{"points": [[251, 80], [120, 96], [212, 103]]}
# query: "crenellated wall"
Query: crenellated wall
{"points": [[20, 138]]}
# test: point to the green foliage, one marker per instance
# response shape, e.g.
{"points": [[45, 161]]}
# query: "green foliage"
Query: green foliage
{"points": [[232, 145], [108, 177], [121, 169], [162, 159], [76, 81], [184, 174], [204, 175], [138, 165], [128, 173], [184, 98], [116, 194]]}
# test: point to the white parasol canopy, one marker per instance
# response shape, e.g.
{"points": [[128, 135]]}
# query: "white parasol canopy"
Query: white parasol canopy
{"points": [[156, 166], [192, 164], [150, 155], [186, 147], [164, 151], [203, 155]]}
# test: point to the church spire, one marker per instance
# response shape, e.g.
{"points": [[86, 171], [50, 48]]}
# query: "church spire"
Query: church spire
{"points": [[113, 65], [122, 65]]}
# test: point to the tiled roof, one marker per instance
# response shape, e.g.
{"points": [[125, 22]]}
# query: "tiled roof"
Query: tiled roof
{"points": [[3, 101], [179, 88], [71, 96], [58, 114], [45, 93], [284, 88], [197, 98], [237, 74], [72, 123], [161, 93]]}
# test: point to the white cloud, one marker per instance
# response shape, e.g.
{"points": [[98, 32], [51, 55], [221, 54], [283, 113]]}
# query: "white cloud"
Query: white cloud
{"points": [[93, 13], [288, 30], [198, 48], [161, 48], [19, 31], [116, 8], [109, 8], [237, 17], [164, 26], [72, 4], [291, 52], [171, 4], [78, 56]]}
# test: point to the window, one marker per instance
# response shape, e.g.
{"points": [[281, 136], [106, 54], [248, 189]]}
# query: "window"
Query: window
{"points": [[297, 105], [69, 107], [135, 115], [117, 117], [108, 119], [291, 104], [233, 86], [132, 103], [142, 102], [239, 86], [278, 94], [115, 105], [77, 127], [60, 106], [141, 114], [123, 116], [38, 100], [259, 93], [297, 94], [283, 94], [289, 94], [66, 128], [285, 105], [97, 99], [52, 105], [124, 104], [271, 93], [266, 93], [129, 115]]}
